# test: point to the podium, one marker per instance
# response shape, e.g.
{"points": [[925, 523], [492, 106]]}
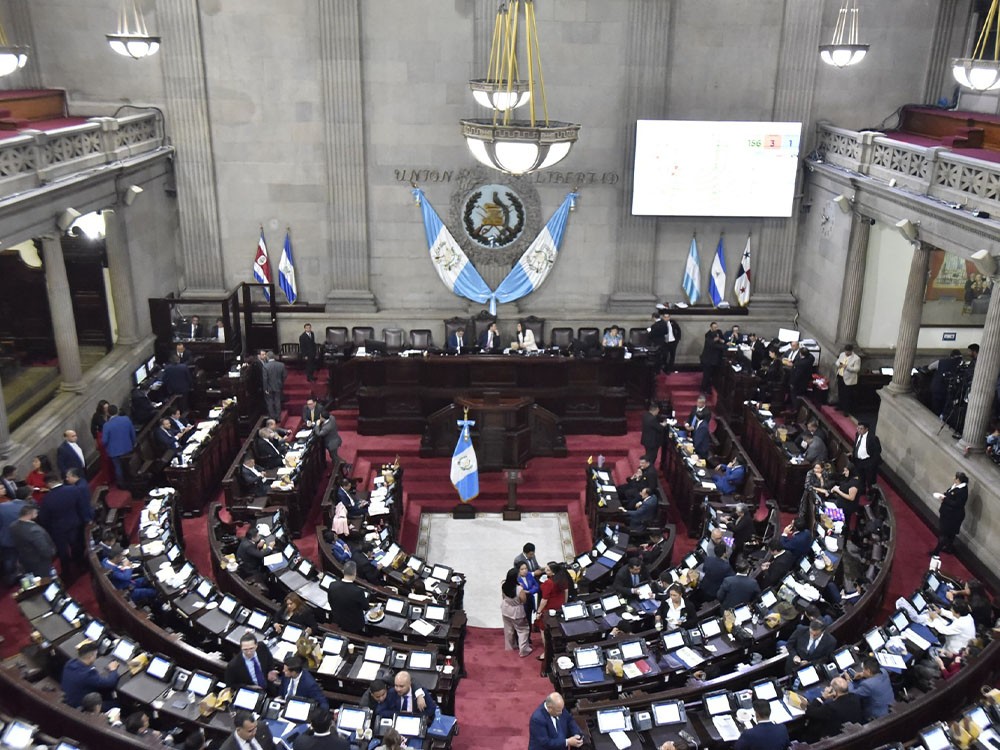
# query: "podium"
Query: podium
{"points": [[502, 434]]}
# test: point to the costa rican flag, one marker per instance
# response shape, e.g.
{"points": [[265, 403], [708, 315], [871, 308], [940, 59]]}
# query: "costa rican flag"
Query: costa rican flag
{"points": [[261, 265], [464, 465]]}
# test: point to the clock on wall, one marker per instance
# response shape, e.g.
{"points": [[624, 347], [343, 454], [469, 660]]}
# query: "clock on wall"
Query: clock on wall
{"points": [[826, 219]]}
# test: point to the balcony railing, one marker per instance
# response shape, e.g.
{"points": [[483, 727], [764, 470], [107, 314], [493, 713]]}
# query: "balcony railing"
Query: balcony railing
{"points": [[35, 158], [934, 171]]}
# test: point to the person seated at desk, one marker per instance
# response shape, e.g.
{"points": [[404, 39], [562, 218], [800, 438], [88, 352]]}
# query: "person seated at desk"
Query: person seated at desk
{"points": [[675, 611], [348, 601], [141, 407], [780, 564], [817, 478], [249, 734], [844, 493], [362, 556], [809, 645], [347, 497], [320, 735], [613, 338], [733, 337], [959, 632], [252, 666], [181, 355], [714, 571], [827, 715], [644, 476], [813, 449], [269, 449], [298, 682], [178, 426], [312, 413], [294, 610], [165, 437], [698, 425], [797, 539], [375, 696], [190, 330], [281, 432], [739, 588], [457, 343], [218, 331], [250, 556], [124, 579], [93, 703], [758, 351], [403, 699], [644, 511], [765, 734], [729, 477], [489, 340], [629, 579], [250, 479], [392, 740], [873, 687], [80, 677], [525, 340], [552, 727]]}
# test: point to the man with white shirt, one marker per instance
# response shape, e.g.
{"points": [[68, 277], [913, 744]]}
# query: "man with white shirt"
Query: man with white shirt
{"points": [[69, 454], [960, 631], [250, 734], [403, 699], [552, 727], [867, 456]]}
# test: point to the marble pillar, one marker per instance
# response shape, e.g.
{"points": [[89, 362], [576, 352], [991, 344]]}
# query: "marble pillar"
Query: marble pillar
{"points": [[186, 91], [120, 271], [646, 97], [61, 311], [20, 32], [347, 194], [854, 280], [6, 444], [939, 81], [909, 324], [982, 393]]}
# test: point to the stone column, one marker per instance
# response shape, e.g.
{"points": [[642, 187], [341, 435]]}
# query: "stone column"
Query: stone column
{"points": [[61, 311], [20, 32], [939, 78], [802, 24], [6, 444], [120, 271], [909, 324], [647, 63], [186, 94], [347, 193], [984, 380], [854, 280]]}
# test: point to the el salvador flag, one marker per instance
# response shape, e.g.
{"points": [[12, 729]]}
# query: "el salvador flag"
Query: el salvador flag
{"points": [[464, 466], [534, 265], [692, 273], [717, 282], [450, 261]]}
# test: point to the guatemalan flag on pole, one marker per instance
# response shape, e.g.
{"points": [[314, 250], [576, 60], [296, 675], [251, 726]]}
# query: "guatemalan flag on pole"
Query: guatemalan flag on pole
{"points": [[261, 265], [717, 282], [692, 274], [450, 261], [286, 270], [464, 466], [742, 285], [532, 269]]}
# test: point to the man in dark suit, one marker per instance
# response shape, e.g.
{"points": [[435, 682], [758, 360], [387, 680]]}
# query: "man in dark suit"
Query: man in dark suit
{"points": [[326, 430], [665, 334], [348, 602], [269, 450], [866, 456], [119, 439], [765, 735], [629, 579], [644, 512], [181, 355], [298, 682], [311, 413], [69, 454], [652, 431], [403, 699], [800, 360], [742, 530], [778, 566], [457, 342], [250, 479], [797, 539], [758, 351], [698, 425], [65, 512], [711, 356], [874, 688], [320, 736], [178, 381], [32, 543], [714, 571], [80, 677], [307, 350], [552, 727], [489, 340], [809, 645], [739, 588], [827, 715], [141, 408], [729, 477], [274, 385], [644, 476], [944, 368], [164, 436], [194, 329], [253, 665], [250, 734], [250, 555]]}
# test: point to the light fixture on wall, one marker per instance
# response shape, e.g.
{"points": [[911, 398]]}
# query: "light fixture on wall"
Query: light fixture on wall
{"points": [[133, 38], [985, 263], [131, 193], [844, 203], [12, 57], [499, 91], [840, 53], [503, 143], [65, 219], [908, 229], [978, 72]]}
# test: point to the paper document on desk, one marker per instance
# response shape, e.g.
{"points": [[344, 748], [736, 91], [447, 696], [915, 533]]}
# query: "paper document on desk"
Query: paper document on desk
{"points": [[206, 425], [369, 671], [917, 640], [152, 549], [284, 471], [282, 650], [607, 488], [620, 739], [689, 656], [422, 627], [303, 434], [893, 661], [330, 665], [708, 485], [779, 712], [726, 727], [377, 509]]}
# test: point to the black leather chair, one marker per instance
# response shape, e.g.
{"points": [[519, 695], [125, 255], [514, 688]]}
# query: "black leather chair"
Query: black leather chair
{"points": [[562, 338], [638, 337], [537, 327], [455, 324], [360, 334], [421, 338], [393, 338], [336, 338], [480, 323], [589, 336]]}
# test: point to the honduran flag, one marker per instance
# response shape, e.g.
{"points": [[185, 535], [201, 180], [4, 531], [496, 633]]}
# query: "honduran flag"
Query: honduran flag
{"points": [[450, 261], [692, 273], [536, 262], [464, 466], [261, 265]]}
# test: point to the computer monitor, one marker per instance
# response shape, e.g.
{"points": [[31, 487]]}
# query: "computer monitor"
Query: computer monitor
{"points": [[588, 657], [765, 690], [632, 650], [247, 698], [668, 712], [421, 660], [228, 605], [918, 601], [94, 631], [151, 364], [204, 589], [900, 620], [932, 582], [935, 738], [808, 676], [200, 684], [71, 611], [141, 373], [257, 620], [768, 599], [611, 603], [843, 659], [711, 628], [158, 668], [395, 606], [52, 592], [333, 645], [717, 703], [441, 573], [874, 639], [612, 720], [436, 613], [574, 611], [673, 639], [65, 744], [376, 653], [18, 734], [352, 719], [297, 711], [742, 613], [583, 560], [123, 650], [408, 726]]}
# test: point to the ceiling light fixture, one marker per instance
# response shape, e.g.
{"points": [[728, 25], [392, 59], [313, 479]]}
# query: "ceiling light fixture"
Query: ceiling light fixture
{"points": [[839, 53], [975, 72], [133, 38], [12, 57]]}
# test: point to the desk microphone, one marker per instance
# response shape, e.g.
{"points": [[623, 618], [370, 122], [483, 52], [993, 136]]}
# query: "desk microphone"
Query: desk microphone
{"points": [[689, 738]]}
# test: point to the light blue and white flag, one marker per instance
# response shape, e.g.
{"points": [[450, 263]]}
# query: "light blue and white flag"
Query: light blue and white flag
{"points": [[692, 274], [717, 281], [464, 466], [534, 266], [450, 261], [286, 270]]}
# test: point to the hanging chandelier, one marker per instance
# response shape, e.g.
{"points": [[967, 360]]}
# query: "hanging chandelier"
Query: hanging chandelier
{"points": [[132, 38], [511, 145], [841, 54], [975, 72], [12, 57]]}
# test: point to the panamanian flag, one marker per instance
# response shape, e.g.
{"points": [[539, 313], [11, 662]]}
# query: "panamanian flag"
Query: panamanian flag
{"points": [[742, 286], [261, 265], [464, 466]]}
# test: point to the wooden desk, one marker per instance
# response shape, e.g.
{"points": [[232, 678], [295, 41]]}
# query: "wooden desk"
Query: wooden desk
{"points": [[734, 386], [197, 480], [785, 479]]}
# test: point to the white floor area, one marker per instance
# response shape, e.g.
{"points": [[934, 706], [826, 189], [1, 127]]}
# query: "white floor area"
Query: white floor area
{"points": [[484, 548]]}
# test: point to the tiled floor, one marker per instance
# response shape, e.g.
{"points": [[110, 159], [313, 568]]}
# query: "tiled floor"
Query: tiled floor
{"points": [[483, 548]]}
